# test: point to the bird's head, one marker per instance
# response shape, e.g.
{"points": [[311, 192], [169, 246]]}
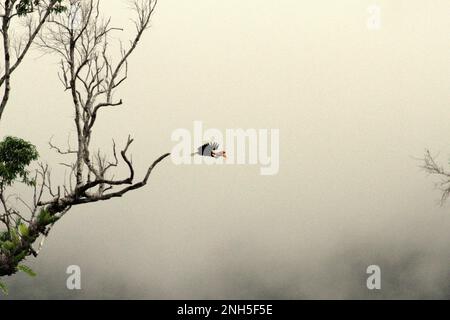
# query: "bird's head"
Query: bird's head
{"points": [[220, 154]]}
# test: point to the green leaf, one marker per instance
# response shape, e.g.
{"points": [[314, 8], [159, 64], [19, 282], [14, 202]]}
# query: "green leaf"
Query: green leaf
{"points": [[7, 245], [14, 236], [20, 256], [46, 217], [23, 229], [3, 288], [26, 270]]}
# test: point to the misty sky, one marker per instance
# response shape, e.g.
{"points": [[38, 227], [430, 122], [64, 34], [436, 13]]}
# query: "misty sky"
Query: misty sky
{"points": [[355, 108]]}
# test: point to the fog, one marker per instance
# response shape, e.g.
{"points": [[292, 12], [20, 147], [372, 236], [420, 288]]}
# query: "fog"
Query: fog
{"points": [[355, 109]]}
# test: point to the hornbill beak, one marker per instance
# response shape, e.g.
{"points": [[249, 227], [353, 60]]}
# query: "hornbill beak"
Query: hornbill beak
{"points": [[220, 154]]}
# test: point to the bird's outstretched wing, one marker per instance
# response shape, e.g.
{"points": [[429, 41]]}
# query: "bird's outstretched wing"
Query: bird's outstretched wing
{"points": [[208, 148], [214, 145]]}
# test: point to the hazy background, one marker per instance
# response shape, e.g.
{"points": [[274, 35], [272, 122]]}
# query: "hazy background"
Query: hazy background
{"points": [[354, 108]]}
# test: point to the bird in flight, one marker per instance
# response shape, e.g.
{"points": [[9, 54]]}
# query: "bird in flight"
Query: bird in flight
{"points": [[210, 150]]}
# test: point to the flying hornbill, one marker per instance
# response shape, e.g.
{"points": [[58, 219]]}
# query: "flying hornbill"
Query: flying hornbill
{"points": [[210, 150]]}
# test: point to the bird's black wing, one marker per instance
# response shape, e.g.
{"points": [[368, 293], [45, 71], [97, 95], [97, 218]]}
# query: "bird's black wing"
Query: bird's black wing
{"points": [[207, 149]]}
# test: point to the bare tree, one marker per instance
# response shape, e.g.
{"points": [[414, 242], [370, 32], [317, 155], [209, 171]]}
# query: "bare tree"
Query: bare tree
{"points": [[433, 167], [80, 38], [30, 15]]}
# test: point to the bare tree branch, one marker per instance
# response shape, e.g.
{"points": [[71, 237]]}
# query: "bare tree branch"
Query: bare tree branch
{"points": [[431, 166], [10, 66]]}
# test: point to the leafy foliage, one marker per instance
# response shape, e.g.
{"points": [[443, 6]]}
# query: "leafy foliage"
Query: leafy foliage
{"points": [[45, 217], [9, 241], [26, 6], [15, 155], [24, 231], [3, 288], [26, 270]]}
